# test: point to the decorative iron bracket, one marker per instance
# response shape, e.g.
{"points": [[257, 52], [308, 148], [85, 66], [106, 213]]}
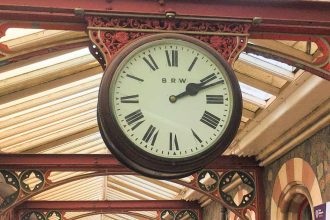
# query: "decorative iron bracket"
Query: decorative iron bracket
{"points": [[23, 169], [239, 190], [109, 35]]}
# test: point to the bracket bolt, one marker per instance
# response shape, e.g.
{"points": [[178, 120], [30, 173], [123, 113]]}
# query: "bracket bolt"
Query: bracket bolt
{"points": [[170, 14]]}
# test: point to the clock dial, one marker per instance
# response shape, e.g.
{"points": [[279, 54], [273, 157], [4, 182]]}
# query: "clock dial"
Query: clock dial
{"points": [[168, 105], [171, 98]]}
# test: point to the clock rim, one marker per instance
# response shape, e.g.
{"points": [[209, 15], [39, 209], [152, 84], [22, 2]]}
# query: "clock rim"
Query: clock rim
{"points": [[147, 163]]}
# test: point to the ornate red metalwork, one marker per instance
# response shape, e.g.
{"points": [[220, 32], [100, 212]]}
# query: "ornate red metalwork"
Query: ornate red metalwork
{"points": [[103, 207], [217, 177], [100, 165], [110, 34], [299, 13], [99, 162], [9, 215]]}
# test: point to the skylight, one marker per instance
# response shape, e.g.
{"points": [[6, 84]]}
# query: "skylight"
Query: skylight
{"points": [[275, 62], [44, 63], [13, 33], [255, 92]]}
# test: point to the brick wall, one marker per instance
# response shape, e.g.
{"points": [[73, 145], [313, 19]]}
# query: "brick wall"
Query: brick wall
{"points": [[315, 151]]}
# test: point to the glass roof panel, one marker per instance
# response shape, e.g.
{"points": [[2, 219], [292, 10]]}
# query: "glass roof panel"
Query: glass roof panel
{"points": [[255, 92], [13, 33], [275, 62], [44, 63]]}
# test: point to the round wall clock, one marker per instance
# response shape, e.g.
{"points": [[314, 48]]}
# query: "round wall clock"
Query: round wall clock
{"points": [[168, 105]]}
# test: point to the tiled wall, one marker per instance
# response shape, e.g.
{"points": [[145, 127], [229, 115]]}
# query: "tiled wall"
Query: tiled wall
{"points": [[316, 152]]}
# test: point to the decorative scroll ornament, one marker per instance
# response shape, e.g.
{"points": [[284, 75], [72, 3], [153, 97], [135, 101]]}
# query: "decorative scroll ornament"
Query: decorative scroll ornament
{"points": [[54, 215], [237, 188], [233, 189], [112, 41], [208, 180], [110, 34], [167, 215], [34, 215], [178, 215], [9, 188], [32, 180], [14, 190], [229, 47], [186, 214]]}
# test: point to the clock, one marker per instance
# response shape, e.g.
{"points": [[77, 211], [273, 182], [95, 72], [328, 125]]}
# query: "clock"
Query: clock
{"points": [[168, 105]]}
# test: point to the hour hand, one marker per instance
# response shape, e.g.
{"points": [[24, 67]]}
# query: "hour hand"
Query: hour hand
{"points": [[193, 88], [173, 98]]}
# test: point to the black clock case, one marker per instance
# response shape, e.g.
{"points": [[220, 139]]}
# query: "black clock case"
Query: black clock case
{"points": [[143, 162]]}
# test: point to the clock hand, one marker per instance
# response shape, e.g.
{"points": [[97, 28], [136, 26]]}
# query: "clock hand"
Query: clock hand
{"points": [[193, 88], [207, 79], [212, 84]]}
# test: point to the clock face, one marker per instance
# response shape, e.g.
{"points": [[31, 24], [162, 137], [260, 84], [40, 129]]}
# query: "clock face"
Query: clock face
{"points": [[171, 98], [168, 105]]}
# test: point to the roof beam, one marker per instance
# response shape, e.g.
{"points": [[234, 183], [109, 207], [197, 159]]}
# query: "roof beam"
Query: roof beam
{"points": [[108, 206], [293, 12], [257, 83], [97, 162], [298, 99], [282, 48], [248, 114]]}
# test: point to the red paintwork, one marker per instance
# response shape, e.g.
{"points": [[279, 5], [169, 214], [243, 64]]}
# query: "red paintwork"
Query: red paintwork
{"points": [[108, 206], [98, 162], [304, 17], [271, 11]]}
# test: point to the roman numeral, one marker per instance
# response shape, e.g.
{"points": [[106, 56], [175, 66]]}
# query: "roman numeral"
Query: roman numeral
{"points": [[196, 136], [130, 99], [151, 62], [214, 99], [192, 64], [210, 119], [134, 77], [150, 135], [173, 60], [134, 117], [173, 141]]}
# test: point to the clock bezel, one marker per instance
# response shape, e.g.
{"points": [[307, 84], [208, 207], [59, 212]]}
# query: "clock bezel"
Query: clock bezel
{"points": [[144, 162]]}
